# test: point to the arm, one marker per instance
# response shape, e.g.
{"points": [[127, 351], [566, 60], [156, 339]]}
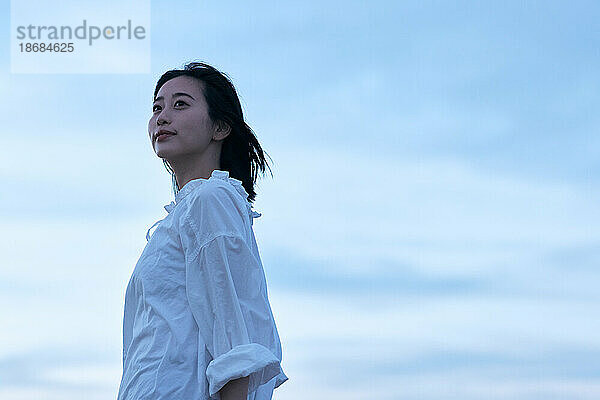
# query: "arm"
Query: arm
{"points": [[227, 296], [236, 389], [224, 294]]}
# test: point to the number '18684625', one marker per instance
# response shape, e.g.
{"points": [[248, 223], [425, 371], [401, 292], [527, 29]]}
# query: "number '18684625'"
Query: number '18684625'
{"points": [[50, 47]]}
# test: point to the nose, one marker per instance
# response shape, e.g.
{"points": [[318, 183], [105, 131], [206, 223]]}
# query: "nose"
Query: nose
{"points": [[161, 119]]}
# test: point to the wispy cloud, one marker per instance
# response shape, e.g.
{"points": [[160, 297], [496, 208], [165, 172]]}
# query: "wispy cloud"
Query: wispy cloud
{"points": [[430, 232]]}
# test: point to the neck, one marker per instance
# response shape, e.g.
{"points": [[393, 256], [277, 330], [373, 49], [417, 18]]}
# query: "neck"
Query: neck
{"points": [[187, 169]]}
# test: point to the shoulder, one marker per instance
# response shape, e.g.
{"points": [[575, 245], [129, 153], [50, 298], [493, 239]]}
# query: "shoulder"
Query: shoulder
{"points": [[213, 196], [214, 208]]}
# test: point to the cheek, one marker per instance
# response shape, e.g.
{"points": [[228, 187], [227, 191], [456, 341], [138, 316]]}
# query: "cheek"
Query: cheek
{"points": [[151, 126], [194, 119]]}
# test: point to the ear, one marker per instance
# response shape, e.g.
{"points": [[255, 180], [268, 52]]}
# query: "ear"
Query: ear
{"points": [[222, 130]]}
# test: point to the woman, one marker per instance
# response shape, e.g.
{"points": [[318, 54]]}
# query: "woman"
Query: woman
{"points": [[197, 320]]}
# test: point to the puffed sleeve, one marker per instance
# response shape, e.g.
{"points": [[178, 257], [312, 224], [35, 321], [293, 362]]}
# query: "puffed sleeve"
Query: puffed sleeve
{"points": [[225, 288]]}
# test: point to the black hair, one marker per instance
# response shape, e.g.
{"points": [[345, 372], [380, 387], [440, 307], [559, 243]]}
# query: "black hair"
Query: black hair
{"points": [[241, 154]]}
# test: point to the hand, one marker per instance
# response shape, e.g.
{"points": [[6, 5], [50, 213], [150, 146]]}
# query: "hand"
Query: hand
{"points": [[235, 389]]}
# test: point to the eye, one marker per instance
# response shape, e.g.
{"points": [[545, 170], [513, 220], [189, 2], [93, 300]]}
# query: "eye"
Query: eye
{"points": [[178, 101]]}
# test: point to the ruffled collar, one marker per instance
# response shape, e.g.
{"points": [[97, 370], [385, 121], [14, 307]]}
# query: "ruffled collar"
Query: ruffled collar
{"points": [[216, 174], [194, 183]]}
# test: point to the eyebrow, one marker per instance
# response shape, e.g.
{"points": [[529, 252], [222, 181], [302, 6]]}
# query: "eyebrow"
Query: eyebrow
{"points": [[175, 95]]}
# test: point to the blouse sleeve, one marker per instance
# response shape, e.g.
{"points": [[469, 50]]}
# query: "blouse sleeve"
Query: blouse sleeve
{"points": [[226, 294]]}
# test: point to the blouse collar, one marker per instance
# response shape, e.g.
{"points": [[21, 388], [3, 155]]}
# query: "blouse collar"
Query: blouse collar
{"points": [[194, 183]]}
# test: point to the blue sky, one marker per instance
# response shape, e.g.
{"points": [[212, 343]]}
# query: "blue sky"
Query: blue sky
{"points": [[431, 229]]}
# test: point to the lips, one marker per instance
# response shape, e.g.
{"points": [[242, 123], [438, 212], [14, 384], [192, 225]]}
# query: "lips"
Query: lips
{"points": [[162, 136], [163, 133]]}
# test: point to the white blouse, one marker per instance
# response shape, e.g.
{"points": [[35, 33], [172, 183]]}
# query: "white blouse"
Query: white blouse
{"points": [[197, 314]]}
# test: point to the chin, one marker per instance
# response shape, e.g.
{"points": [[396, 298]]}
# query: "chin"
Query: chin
{"points": [[164, 153]]}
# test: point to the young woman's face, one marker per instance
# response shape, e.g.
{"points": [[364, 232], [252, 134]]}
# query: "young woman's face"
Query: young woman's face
{"points": [[180, 108]]}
